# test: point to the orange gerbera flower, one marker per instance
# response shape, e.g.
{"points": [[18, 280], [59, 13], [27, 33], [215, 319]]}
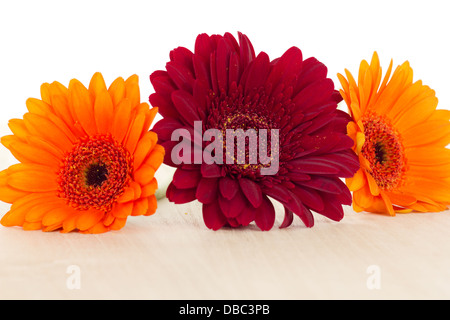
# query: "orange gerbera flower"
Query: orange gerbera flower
{"points": [[400, 139], [87, 158]]}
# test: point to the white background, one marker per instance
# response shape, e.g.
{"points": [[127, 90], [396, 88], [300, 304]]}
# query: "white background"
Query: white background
{"points": [[44, 41], [172, 254]]}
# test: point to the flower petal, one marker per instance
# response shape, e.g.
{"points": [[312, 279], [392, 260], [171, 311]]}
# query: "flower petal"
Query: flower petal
{"points": [[212, 216], [252, 191], [265, 215], [32, 178], [207, 190]]}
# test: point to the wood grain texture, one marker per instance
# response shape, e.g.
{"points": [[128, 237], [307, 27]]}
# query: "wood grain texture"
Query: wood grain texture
{"points": [[172, 255]]}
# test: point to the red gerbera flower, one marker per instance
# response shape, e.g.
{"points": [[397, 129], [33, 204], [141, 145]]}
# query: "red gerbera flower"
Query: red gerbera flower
{"points": [[223, 85]]}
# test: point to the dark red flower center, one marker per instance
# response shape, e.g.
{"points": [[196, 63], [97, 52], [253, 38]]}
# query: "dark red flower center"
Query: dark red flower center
{"points": [[235, 113]]}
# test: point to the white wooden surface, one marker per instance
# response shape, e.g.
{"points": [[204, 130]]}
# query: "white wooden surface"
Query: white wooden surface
{"points": [[172, 255]]}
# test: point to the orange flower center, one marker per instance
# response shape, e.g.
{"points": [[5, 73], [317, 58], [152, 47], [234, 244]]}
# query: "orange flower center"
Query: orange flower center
{"points": [[95, 173], [384, 151]]}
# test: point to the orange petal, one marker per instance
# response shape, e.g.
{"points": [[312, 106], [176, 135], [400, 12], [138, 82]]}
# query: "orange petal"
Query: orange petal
{"points": [[56, 216], [135, 132], [150, 188], [104, 112], [433, 133], [117, 91], [118, 224], [121, 120], [428, 156], [144, 174], [437, 189], [99, 227], [440, 115], [46, 146], [37, 212], [435, 171], [132, 192], [10, 195], [88, 219], [122, 210], [374, 190], [152, 205], [388, 204], [132, 91], [96, 85], [16, 215], [363, 198], [140, 207], [60, 105], [32, 178], [70, 223], [82, 106], [401, 199], [47, 130], [19, 128], [32, 226], [38, 106], [45, 93], [144, 147], [155, 158], [357, 181], [414, 114], [28, 153], [378, 206]]}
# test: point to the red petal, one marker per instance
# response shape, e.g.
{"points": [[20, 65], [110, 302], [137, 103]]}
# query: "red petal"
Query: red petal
{"points": [[286, 69], [296, 206], [288, 218], [222, 60], [277, 192], [258, 72], [326, 184], [207, 190], [306, 216], [265, 215], [252, 191], [247, 215], [314, 94], [233, 73], [179, 196], [181, 76], [162, 83], [201, 68], [201, 92], [203, 45], [314, 165], [232, 208], [228, 187], [165, 127], [211, 170], [186, 106], [165, 105], [312, 71], [247, 53], [186, 179], [213, 216], [182, 56], [333, 210], [310, 198]]}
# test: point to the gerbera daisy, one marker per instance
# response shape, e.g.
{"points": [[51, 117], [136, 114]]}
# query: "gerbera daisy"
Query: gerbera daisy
{"points": [[224, 86], [87, 159], [400, 139]]}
